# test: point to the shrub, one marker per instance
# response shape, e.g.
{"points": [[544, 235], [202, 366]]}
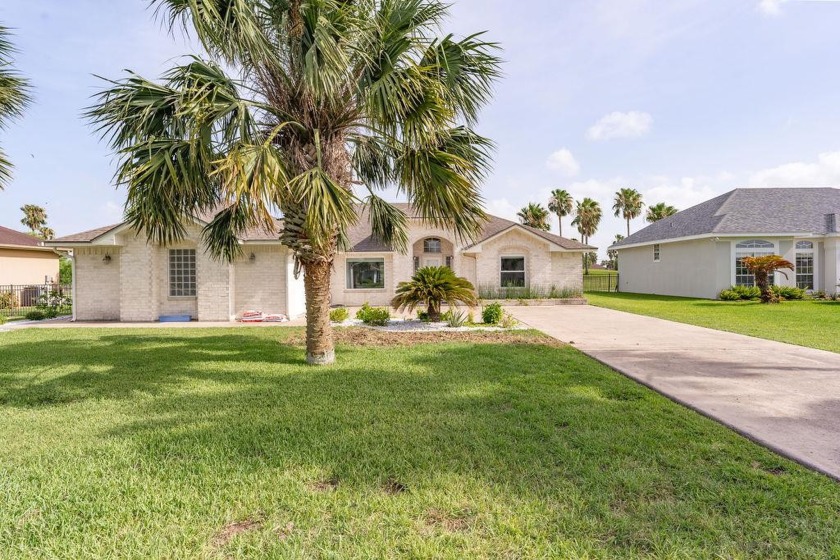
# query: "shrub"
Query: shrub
{"points": [[508, 321], [53, 303], [339, 315], [8, 300], [36, 315], [729, 295], [789, 292], [492, 314], [431, 286], [2, 319], [456, 318], [754, 293], [423, 316], [376, 316]]}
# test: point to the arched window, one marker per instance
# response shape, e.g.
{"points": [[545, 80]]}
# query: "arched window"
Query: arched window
{"points": [[755, 244], [431, 245], [804, 245], [751, 248]]}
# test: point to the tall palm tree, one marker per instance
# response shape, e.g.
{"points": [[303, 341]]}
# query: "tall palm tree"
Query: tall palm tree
{"points": [[659, 211], [298, 106], [14, 97], [561, 204], [587, 219], [612, 254], [34, 217], [432, 285], [534, 215], [628, 204]]}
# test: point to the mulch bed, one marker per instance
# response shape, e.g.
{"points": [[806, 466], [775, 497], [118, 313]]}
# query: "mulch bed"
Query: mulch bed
{"points": [[361, 336]]}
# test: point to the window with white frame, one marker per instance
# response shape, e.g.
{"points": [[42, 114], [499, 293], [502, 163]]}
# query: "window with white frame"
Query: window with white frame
{"points": [[431, 245], [182, 272], [805, 265], [512, 273], [365, 274], [751, 248], [656, 252]]}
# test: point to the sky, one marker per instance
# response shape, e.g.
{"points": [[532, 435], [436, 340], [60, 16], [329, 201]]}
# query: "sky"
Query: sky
{"points": [[681, 100]]}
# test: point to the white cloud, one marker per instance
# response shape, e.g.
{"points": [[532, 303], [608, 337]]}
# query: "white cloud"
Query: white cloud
{"points": [[563, 161], [632, 124], [771, 7], [825, 172]]}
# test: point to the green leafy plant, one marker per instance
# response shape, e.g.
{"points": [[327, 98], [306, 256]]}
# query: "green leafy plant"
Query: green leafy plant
{"points": [[8, 300], [508, 321], [53, 303], [375, 316], [423, 316], [789, 292], [3, 319], [456, 318], [492, 314], [729, 295], [431, 286], [36, 315], [339, 315]]}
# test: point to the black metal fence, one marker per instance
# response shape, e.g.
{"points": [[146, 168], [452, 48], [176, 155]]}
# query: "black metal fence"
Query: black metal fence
{"points": [[600, 282], [18, 300]]}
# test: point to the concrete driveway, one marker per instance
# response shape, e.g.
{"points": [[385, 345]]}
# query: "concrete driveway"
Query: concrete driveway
{"points": [[783, 396]]}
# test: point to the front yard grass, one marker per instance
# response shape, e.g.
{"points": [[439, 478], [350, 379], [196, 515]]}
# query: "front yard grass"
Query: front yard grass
{"points": [[811, 323], [222, 443]]}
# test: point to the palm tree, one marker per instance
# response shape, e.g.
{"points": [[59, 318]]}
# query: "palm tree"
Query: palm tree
{"points": [[534, 215], [34, 217], [612, 254], [432, 285], [762, 268], [560, 203], [628, 204], [45, 232], [14, 97], [328, 98], [659, 211], [587, 219]]}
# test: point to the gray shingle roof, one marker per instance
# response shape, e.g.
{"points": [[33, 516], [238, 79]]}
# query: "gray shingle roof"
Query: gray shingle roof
{"points": [[803, 211], [360, 235]]}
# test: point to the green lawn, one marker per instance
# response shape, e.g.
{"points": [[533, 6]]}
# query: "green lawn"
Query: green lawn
{"points": [[807, 323], [222, 443]]}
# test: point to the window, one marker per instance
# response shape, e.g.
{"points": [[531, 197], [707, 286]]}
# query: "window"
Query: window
{"points": [[751, 248], [182, 272], [656, 253], [513, 272], [804, 265], [416, 264], [431, 245], [448, 262], [365, 274]]}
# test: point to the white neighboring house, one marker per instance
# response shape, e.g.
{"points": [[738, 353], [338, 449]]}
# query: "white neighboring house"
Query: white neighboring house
{"points": [[698, 252], [118, 276]]}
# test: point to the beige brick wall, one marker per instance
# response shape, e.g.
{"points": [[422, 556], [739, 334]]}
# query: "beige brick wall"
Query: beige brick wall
{"points": [[97, 284], [261, 285], [139, 279]]}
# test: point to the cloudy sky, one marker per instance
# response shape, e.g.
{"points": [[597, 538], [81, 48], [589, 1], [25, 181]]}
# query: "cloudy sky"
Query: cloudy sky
{"points": [[682, 100]]}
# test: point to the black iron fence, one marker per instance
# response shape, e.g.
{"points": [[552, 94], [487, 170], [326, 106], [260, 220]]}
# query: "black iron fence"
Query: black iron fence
{"points": [[18, 300], [600, 282]]}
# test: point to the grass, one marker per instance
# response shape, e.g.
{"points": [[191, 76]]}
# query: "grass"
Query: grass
{"points": [[602, 272], [806, 323], [222, 443]]}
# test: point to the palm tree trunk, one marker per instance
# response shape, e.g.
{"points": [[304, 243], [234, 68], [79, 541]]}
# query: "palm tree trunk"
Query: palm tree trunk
{"points": [[628, 227], [320, 348], [560, 224]]}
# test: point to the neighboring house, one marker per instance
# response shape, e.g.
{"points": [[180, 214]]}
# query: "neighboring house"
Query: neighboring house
{"points": [[24, 261], [698, 252], [119, 276]]}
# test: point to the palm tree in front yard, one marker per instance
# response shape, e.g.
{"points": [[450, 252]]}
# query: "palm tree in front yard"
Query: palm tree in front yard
{"points": [[561, 203], [14, 97], [297, 107], [534, 215], [431, 286], [762, 267], [628, 204]]}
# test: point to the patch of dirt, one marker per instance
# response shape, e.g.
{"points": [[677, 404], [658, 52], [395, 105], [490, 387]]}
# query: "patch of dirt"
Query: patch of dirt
{"points": [[393, 486], [230, 530], [285, 532], [453, 524], [775, 470], [326, 485], [360, 336]]}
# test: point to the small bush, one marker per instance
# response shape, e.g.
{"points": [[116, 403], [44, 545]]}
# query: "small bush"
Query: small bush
{"points": [[789, 292], [729, 295], [376, 316], [456, 318], [423, 316], [508, 321], [36, 315], [8, 300], [2, 319], [339, 315], [492, 314]]}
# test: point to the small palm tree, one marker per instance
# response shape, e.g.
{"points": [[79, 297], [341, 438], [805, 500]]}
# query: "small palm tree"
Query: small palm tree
{"points": [[561, 203], [612, 254], [431, 286], [34, 217], [14, 97], [659, 211], [45, 232], [628, 204], [534, 215], [297, 107], [762, 267]]}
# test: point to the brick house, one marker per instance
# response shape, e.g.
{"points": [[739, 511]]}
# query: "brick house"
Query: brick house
{"points": [[118, 276]]}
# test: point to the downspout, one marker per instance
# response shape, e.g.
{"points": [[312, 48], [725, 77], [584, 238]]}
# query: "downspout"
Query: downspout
{"points": [[71, 254]]}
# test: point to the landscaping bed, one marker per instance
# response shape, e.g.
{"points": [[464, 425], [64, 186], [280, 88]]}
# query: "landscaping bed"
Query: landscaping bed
{"points": [[184, 443]]}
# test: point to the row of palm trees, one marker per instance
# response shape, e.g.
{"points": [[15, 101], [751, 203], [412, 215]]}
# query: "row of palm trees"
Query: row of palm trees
{"points": [[628, 204]]}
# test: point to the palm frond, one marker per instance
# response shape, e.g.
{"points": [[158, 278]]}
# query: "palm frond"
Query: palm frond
{"points": [[388, 223]]}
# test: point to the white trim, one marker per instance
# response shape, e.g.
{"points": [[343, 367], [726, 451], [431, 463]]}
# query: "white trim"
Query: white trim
{"points": [[815, 277], [72, 256], [733, 251], [553, 247], [721, 237], [348, 277]]}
